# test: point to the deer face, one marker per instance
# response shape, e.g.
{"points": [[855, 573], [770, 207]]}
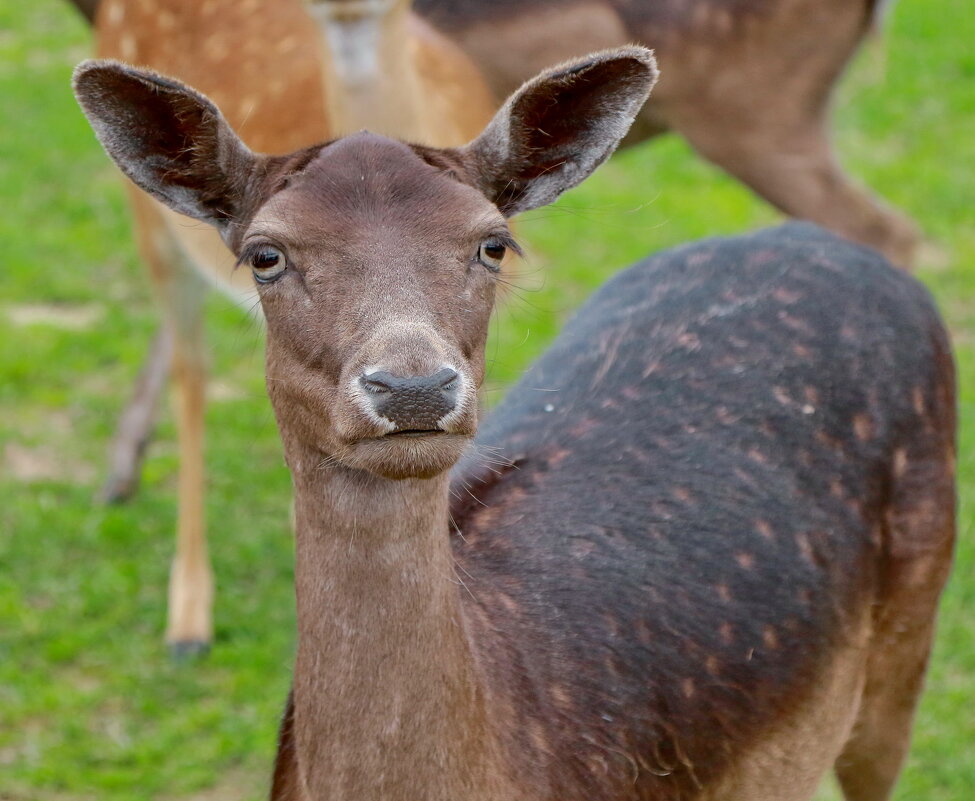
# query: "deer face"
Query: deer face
{"points": [[375, 261], [376, 272]]}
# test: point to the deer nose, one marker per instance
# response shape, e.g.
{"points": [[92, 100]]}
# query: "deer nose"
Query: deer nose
{"points": [[415, 403]]}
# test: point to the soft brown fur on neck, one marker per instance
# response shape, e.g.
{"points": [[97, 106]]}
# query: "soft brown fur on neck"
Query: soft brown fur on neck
{"points": [[377, 598]]}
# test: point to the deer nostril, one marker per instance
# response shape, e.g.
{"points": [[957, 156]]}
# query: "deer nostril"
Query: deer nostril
{"points": [[448, 379], [375, 383], [413, 402]]}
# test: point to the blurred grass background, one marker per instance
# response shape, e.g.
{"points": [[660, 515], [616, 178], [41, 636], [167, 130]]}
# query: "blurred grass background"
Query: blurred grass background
{"points": [[90, 705]]}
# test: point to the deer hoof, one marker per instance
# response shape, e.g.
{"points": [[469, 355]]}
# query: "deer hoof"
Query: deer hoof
{"points": [[183, 651]]}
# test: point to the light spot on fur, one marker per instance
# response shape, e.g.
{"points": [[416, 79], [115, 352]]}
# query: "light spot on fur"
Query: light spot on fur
{"points": [[877, 535], [727, 633], [900, 462], [794, 323], [687, 688], [557, 456], [757, 456], [782, 395], [711, 665], [770, 638], [805, 547], [287, 44], [786, 296], [765, 529], [745, 560], [918, 397], [537, 735], [724, 593], [583, 427], [217, 49], [115, 13], [127, 47], [507, 602], [681, 494], [863, 427], [560, 696], [724, 416], [581, 548]]}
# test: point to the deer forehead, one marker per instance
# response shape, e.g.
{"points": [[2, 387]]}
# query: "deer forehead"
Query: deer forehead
{"points": [[364, 188]]}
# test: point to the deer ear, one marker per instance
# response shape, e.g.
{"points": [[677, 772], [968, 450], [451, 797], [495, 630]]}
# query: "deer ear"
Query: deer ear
{"points": [[557, 128], [170, 140]]}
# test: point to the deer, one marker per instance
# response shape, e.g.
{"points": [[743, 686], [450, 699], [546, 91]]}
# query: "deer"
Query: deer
{"points": [[287, 77], [695, 553], [747, 83]]}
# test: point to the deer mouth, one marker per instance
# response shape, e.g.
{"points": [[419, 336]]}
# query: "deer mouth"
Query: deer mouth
{"points": [[414, 433]]}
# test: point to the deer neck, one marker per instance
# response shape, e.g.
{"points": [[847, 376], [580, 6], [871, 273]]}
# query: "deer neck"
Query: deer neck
{"points": [[370, 76], [388, 700]]}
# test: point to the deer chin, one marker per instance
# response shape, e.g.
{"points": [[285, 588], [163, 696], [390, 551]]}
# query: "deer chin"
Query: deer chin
{"points": [[407, 454]]}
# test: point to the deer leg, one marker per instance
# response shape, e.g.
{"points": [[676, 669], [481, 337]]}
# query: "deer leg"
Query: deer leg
{"points": [[793, 167], [190, 627], [181, 293], [921, 538], [137, 422]]}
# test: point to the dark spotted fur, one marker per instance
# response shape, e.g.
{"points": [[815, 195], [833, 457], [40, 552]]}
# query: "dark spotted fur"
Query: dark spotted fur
{"points": [[699, 472]]}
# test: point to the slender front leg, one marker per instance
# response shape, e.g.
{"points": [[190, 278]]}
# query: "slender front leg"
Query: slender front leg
{"points": [[190, 628], [181, 293]]}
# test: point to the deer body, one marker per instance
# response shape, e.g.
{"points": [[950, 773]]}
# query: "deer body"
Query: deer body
{"points": [[728, 462], [695, 554]]}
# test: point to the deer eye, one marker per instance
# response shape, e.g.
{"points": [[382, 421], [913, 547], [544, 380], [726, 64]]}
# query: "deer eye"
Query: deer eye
{"points": [[491, 253], [267, 264]]}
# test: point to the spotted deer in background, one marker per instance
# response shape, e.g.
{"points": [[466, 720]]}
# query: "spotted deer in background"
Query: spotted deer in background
{"points": [[281, 72], [694, 554], [746, 82]]}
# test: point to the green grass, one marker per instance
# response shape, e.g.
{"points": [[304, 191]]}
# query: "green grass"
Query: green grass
{"points": [[90, 706]]}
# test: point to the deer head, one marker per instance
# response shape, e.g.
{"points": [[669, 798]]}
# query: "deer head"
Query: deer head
{"points": [[376, 261]]}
